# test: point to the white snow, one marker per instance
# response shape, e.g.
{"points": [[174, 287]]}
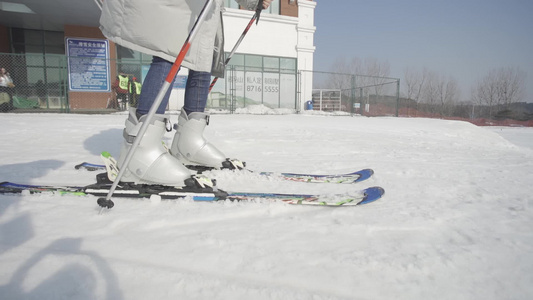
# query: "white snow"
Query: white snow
{"points": [[455, 223]]}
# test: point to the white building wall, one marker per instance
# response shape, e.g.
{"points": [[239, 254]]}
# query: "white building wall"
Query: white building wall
{"points": [[274, 35]]}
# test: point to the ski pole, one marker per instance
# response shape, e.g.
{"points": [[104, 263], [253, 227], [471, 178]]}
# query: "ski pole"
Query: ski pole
{"points": [[255, 18], [106, 202]]}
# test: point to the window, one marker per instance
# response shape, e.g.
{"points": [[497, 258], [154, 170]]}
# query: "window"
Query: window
{"points": [[252, 62], [271, 64], [237, 60], [231, 4], [127, 55], [54, 42], [131, 62], [37, 41], [41, 61], [272, 9], [256, 79]]}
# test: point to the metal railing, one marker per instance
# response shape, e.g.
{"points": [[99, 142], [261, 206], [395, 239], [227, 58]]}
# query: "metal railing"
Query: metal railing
{"points": [[354, 94]]}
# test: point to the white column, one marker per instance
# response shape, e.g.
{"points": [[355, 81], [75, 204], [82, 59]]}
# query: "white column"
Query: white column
{"points": [[305, 48]]}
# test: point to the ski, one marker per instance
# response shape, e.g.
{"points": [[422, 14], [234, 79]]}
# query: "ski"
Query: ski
{"points": [[89, 167], [348, 178], [364, 196]]}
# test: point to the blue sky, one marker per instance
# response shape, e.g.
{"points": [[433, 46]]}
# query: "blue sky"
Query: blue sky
{"points": [[463, 39]]}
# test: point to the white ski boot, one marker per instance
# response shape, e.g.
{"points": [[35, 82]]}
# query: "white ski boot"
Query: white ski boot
{"points": [[191, 148], [151, 162]]}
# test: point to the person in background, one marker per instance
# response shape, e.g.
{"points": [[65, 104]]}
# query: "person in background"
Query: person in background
{"points": [[6, 90], [120, 87], [165, 27], [135, 91], [40, 89]]}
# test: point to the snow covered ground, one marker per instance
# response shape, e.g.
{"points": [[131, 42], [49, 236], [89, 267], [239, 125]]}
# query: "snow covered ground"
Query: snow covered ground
{"points": [[455, 223]]}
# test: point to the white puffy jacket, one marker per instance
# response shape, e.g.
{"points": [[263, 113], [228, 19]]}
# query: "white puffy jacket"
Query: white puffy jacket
{"points": [[160, 27]]}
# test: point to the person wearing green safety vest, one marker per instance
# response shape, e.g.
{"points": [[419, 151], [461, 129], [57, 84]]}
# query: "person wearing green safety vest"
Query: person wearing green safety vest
{"points": [[120, 86], [135, 91]]}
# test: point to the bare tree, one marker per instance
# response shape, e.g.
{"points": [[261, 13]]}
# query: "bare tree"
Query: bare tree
{"points": [[439, 93], [339, 77], [414, 83], [485, 93], [369, 72], [501, 86], [431, 91], [510, 85], [448, 93], [377, 73]]}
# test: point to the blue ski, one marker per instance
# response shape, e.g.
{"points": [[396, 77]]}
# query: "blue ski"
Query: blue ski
{"points": [[347, 178], [364, 196]]}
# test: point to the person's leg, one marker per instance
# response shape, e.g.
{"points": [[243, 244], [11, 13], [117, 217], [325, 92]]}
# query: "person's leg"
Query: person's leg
{"points": [[189, 144], [151, 163], [155, 78], [196, 91]]}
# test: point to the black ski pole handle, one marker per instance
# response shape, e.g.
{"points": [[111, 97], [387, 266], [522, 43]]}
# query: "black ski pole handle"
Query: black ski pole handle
{"points": [[258, 11]]}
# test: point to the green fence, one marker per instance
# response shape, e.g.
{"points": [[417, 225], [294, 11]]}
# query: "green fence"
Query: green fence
{"points": [[41, 83]]}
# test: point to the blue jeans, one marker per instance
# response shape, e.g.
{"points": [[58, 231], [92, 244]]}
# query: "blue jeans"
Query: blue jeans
{"points": [[196, 89]]}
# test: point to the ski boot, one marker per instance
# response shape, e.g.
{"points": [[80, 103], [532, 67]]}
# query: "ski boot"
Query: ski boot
{"points": [[151, 163], [193, 150]]}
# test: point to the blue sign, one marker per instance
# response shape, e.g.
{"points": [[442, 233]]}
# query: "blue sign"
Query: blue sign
{"points": [[88, 65]]}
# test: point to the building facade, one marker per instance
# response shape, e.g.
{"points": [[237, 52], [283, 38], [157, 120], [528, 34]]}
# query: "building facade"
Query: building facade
{"points": [[264, 70]]}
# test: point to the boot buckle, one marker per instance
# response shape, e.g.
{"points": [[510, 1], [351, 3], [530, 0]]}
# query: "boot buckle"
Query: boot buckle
{"points": [[204, 181]]}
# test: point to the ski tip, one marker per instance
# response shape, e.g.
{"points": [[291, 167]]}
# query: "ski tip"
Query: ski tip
{"points": [[372, 194], [78, 166], [364, 174], [105, 154]]}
